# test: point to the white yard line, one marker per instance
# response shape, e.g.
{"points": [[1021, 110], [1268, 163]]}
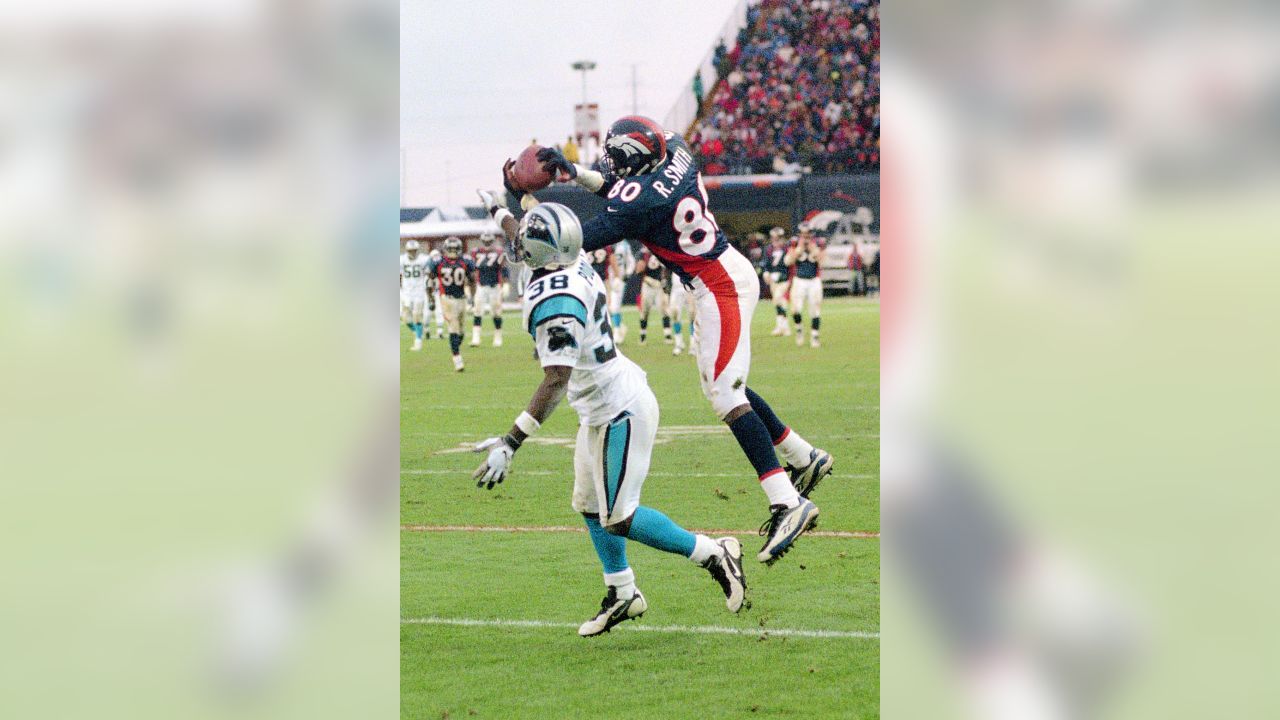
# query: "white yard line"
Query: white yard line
{"points": [[679, 629], [658, 473], [859, 534]]}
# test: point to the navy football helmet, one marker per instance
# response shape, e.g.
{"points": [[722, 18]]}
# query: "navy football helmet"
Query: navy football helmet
{"points": [[634, 146]]}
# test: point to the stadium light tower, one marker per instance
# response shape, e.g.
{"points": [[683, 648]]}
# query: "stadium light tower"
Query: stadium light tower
{"points": [[584, 66]]}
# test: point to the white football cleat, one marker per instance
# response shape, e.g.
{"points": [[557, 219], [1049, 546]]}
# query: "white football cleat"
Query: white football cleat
{"points": [[727, 570], [806, 478], [417, 344], [613, 611], [677, 349], [813, 342], [784, 527], [779, 330], [458, 365], [497, 338], [439, 334]]}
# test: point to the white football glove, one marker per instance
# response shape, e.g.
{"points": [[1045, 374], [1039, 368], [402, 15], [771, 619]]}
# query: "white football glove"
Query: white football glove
{"points": [[491, 200], [496, 466]]}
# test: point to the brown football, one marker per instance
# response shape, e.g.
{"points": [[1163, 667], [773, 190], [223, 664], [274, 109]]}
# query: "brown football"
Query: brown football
{"points": [[528, 173]]}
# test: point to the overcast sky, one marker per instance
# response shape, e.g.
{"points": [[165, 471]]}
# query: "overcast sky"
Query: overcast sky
{"points": [[480, 78]]}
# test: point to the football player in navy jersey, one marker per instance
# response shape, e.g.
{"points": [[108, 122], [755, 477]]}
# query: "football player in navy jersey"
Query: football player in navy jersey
{"points": [[778, 277], [653, 293], [804, 259], [490, 261], [454, 276], [653, 192]]}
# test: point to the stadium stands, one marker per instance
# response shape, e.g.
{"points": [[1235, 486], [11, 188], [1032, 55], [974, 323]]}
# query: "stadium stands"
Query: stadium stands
{"points": [[800, 90]]}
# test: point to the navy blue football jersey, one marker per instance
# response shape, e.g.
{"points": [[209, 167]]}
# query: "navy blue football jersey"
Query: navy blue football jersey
{"points": [[451, 275], [666, 210], [772, 259], [807, 265], [488, 262]]}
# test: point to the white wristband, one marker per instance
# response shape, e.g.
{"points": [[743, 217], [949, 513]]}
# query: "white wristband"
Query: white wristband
{"points": [[589, 179], [527, 424], [501, 214]]}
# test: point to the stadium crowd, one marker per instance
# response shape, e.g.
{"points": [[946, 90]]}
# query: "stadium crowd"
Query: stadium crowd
{"points": [[799, 92]]}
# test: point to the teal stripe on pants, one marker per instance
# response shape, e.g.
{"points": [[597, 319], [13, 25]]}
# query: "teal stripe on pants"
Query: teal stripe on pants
{"points": [[616, 438]]}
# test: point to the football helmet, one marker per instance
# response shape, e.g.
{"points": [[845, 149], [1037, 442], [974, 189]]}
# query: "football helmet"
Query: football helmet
{"points": [[487, 239], [411, 247], [777, 233], [453, 247], [550, 235], [635, 145]]}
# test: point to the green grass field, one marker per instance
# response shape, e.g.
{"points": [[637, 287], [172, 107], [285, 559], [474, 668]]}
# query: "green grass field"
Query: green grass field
{"points": [[489, 612]]}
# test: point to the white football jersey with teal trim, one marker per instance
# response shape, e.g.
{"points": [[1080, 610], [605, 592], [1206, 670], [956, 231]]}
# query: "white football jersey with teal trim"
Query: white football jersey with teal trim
{"points": [[567, 313], [413, 274]]}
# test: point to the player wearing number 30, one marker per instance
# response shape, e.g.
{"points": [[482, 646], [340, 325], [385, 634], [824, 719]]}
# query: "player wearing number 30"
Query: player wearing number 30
{"points": [[453, 274], [566, 311], [654, 192]]}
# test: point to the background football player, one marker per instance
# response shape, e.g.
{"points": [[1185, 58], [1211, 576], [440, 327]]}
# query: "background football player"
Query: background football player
{"points": [[679, 307], [565, 310], [777, 276], [653, 191], [436, 300], [653, 293], [489, 261], [413, 290], [453, 274], [805, 260]]}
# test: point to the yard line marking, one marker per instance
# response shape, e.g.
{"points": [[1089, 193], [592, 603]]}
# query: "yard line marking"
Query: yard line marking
{"points": [[688, 629], [860, 534], [660, 473]]}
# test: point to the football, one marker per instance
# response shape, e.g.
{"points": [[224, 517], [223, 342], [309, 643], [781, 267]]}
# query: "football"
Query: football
{"points": [[528, 174]]}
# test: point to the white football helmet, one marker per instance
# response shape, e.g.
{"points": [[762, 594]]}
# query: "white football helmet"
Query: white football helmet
{"points": [[550, 236], [411, 247]]}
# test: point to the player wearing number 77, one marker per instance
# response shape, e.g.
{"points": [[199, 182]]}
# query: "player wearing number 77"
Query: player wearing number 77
{"points": [[566, 310], [654, 192]]}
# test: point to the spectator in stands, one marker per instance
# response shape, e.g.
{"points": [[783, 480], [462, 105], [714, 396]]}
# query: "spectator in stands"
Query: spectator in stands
{"points": [[570, 150], [697, 88], [800, 89]]}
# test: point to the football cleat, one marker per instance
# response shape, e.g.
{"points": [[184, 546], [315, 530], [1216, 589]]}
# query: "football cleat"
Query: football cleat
{"points": [[613, 610], [806, 478], [497, 338], [779, 330], [800, 338], [727, 570], [677, 349], [458, 365], [784, 527]]}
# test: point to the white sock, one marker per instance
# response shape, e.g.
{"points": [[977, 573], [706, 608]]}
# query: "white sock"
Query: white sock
{"points": [[779, 489], [794, 450], [704, 548], [624, 581]]}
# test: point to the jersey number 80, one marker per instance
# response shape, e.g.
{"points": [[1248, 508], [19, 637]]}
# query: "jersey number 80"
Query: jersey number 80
{"points": [[695, 223]]}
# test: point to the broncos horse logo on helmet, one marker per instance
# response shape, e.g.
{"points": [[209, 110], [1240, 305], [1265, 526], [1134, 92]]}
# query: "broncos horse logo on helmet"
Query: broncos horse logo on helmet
{"points": [[634, 146]]}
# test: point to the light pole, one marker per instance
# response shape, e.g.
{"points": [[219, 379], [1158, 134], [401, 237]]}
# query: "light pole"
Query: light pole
{"points": [[583, 66]]}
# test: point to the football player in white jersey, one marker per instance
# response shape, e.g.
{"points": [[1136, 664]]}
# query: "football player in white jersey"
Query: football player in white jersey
{"points": [[413, 290], [679, 306], [617, 284], [565, 310]]}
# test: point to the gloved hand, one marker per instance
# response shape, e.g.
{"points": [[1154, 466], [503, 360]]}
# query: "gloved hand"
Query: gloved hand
{"points": [[494, 469], [491, 201], [507, 180], [554, 162]]}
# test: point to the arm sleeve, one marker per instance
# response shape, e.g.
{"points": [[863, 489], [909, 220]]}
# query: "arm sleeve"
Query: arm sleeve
{"points": [[604, 230], [559, 340]]}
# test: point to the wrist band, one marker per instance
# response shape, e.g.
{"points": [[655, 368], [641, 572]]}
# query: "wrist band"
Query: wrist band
{"points": [[527, 424], [511, 442]]}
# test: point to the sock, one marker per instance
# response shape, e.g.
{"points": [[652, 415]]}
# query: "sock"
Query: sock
{"points": [[652, 528], [617, 319], [611, 549], [497, 322], [455, 342], [475, 321], [792, 448], [644, 328], [677, 328], [623, 581], [704, 549], [782, 312], [417, 330], [816, 323], [778, 488], [771, 422], [666, 323], [799, 321], [752, 436]]}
